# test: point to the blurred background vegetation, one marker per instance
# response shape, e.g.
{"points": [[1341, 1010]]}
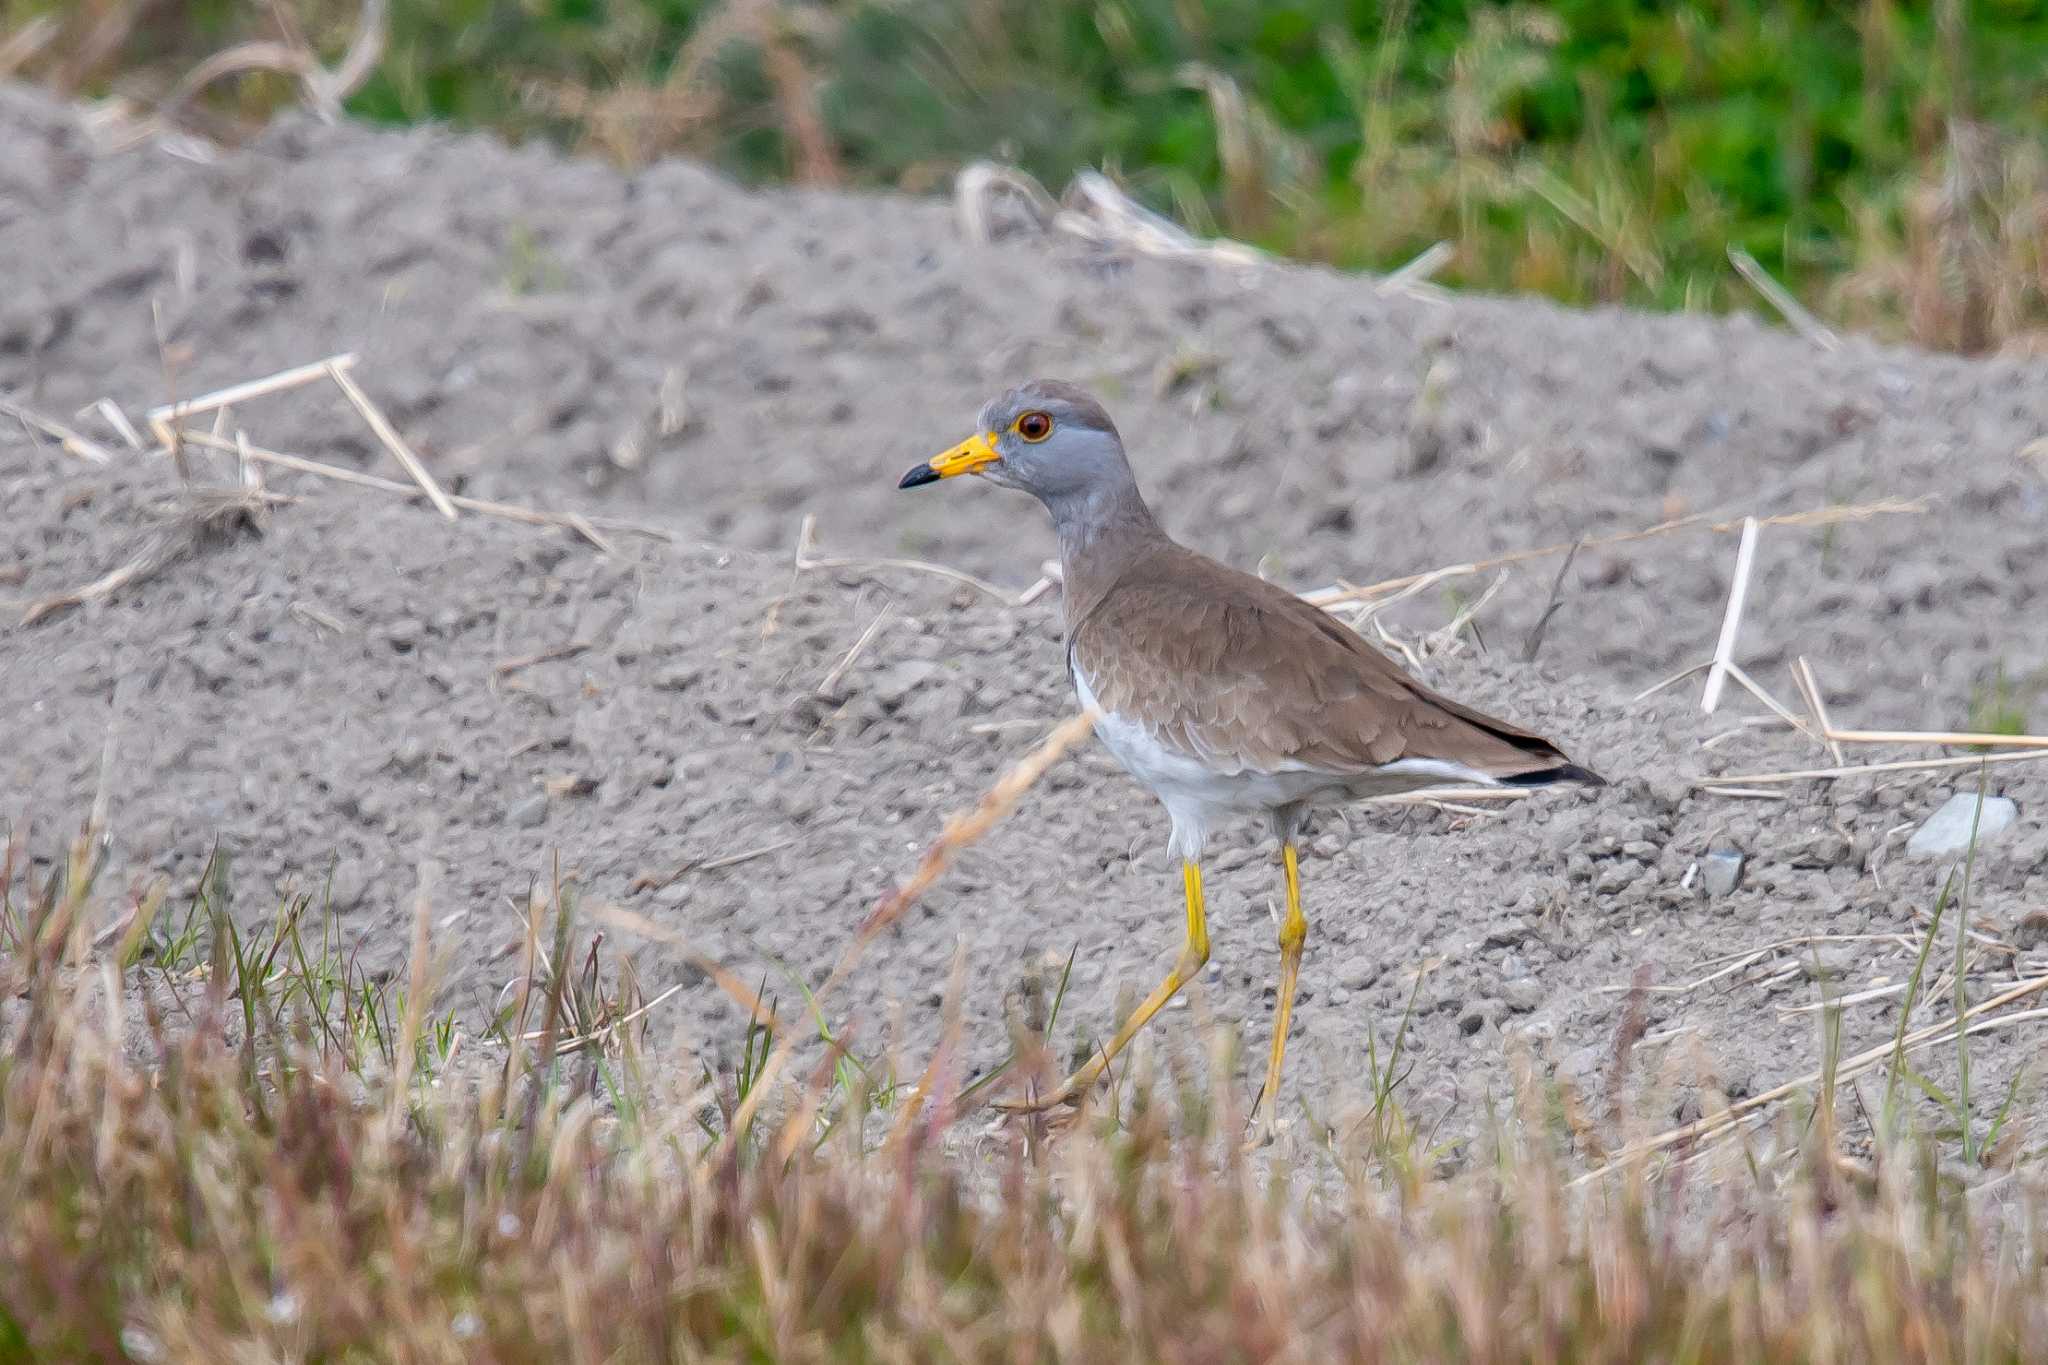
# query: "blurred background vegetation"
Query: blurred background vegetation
{"points": [[1887, 161]]}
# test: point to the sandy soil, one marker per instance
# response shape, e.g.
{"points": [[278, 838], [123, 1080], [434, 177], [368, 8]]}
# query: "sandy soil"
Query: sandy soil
{"points": [[344, 694]]}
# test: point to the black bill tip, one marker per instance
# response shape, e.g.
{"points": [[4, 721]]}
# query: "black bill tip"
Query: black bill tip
{"points": [[918, 476]]}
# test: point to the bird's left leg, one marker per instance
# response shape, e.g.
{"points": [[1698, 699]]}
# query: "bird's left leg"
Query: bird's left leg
{"points": [[1193, 955], [1293, 934]]}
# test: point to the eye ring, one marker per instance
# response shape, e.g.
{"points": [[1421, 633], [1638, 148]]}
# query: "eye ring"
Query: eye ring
{"points": [[1033, 426]]}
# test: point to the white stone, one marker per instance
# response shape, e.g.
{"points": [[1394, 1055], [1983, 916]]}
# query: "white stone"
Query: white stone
{"points": [[1947, 831]]}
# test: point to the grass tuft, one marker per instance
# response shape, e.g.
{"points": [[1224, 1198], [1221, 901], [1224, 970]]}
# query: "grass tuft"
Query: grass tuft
{"points": [[200, 1161]]}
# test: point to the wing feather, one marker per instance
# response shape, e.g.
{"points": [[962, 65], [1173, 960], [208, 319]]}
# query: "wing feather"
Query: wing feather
{"points": [[1245, 676]]}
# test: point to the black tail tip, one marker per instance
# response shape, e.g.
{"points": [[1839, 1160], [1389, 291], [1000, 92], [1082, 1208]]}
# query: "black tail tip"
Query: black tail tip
{"points": [[1552, 777]]}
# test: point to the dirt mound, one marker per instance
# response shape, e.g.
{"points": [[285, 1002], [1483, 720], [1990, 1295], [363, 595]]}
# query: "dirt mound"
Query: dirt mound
{"points": [[364, 687]]}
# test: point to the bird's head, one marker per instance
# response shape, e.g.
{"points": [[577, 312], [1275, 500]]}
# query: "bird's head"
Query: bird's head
{"points": [[1050, 439]]}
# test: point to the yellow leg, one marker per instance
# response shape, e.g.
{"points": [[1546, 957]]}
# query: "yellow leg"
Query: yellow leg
{"points": [[1293, 933], [1193, 954]]}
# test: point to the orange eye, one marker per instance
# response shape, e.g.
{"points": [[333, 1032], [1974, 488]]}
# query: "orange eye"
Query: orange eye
{"points": [[1034, 426]]}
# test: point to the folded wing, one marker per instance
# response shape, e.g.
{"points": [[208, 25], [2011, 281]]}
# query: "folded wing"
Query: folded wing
{"points": [[1245, 676]]}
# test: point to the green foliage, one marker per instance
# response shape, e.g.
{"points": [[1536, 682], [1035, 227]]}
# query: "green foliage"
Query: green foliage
{"points": [[2001, 708], [1594, 150]]}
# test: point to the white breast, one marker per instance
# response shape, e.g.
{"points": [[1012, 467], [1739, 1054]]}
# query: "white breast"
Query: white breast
{"points": [[1141, 753]]}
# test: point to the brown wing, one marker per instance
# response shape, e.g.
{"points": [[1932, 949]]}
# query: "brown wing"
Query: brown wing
{"points": [[1245, 675]]}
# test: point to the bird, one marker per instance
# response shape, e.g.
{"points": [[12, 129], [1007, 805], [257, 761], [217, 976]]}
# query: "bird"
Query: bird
{"points": [[1223, 694]]}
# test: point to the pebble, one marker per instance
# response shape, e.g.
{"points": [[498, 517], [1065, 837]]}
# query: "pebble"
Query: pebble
{"points": [[798, 802], [529, 813], [1721, 871], [1947, 831], [1477, 1015], [1357, 972], [348, 884], [1823, 849], [1506, 933], [1616, 876], [651, 770], [1667, 792], [2032, 930], [1231, 859], [679, 677], [897, 681], [1522, 994]]}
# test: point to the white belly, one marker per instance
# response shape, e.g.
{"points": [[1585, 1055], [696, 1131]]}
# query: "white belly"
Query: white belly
{"points": [[1199, 794], [1196, 795]]}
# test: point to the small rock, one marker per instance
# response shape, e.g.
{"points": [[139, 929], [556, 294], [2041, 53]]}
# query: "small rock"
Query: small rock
{"points": [[1721, 871], [1947, 831], [651, 770], [890, 685], [1522, 994], [1477, 1015], [348, 884], [531, 812], [2032, 930], [1823, 849], [679, 677], [403, 634], [2029, 848], [1358, 972], [1506, 933], [1616, 876], [1231, 859], [1667, 792], [569, 784]]}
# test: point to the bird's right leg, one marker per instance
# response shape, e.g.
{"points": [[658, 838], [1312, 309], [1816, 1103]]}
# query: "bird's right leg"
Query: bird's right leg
{"points": [[1193, 954]]}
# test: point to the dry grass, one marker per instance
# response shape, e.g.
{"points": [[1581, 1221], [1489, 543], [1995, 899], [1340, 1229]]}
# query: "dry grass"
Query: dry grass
{"points": [[1968, 268], [224, 1144]]}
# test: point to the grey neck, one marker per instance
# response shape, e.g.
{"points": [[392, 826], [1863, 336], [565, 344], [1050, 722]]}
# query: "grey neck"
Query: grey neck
{"points": [[1101, 529]]}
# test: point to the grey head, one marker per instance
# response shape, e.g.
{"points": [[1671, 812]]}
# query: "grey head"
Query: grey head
{"points": [[1054, 441]]}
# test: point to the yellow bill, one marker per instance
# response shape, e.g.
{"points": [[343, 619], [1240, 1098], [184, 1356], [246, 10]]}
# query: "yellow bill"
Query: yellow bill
{"points": [[975, 453]]}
